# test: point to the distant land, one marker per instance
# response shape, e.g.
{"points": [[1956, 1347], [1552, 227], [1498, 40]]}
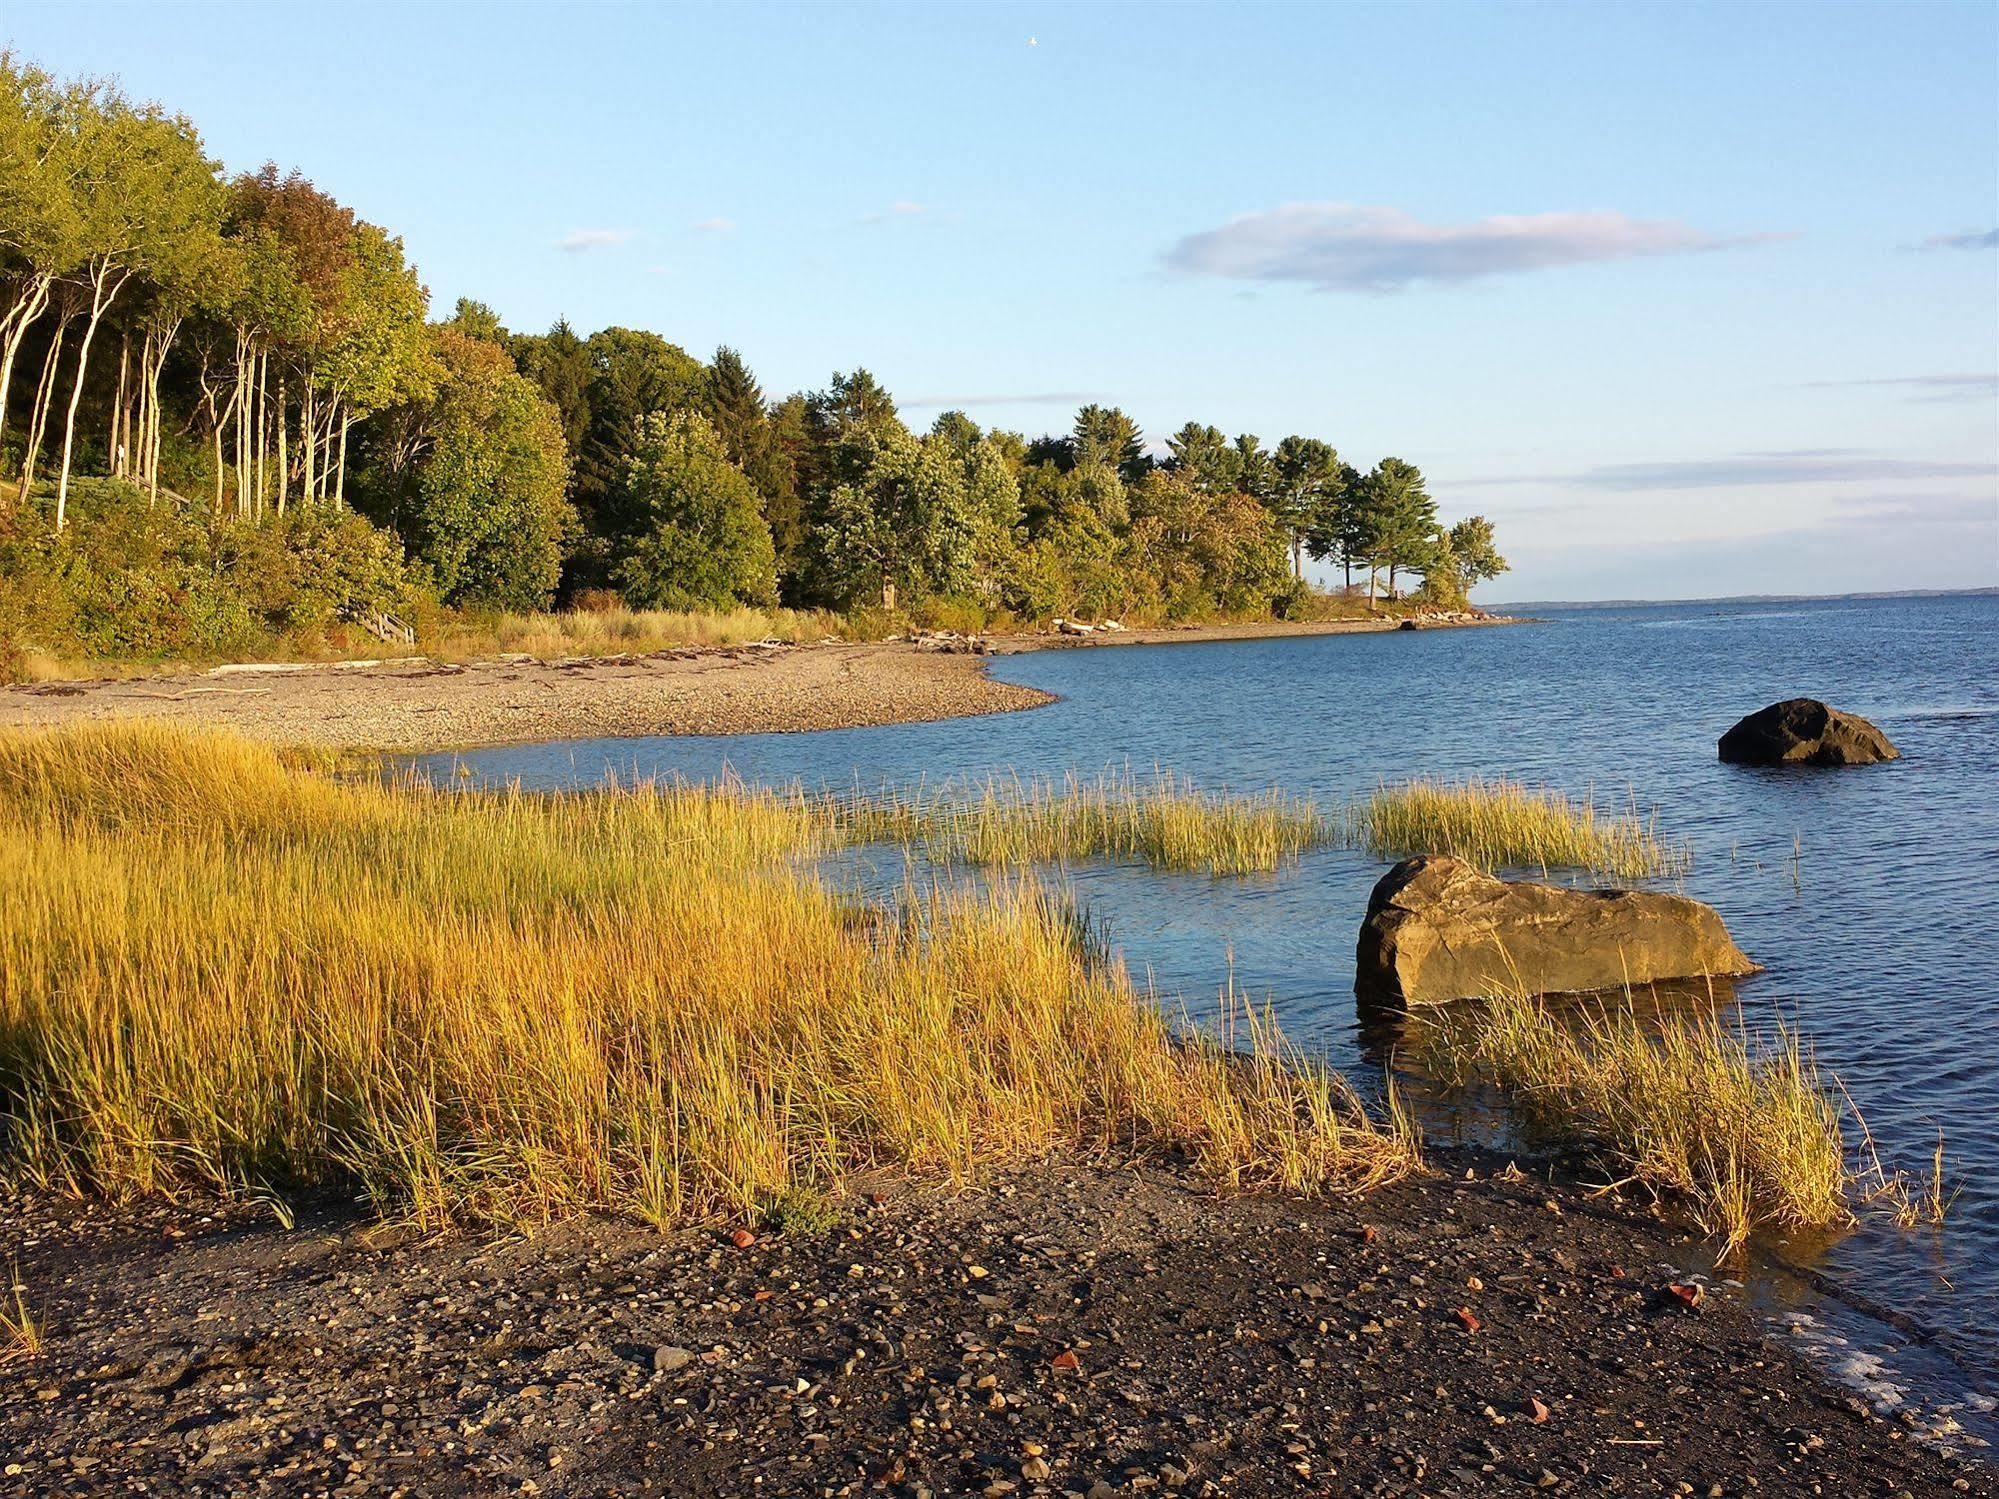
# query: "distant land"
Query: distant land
{"points": [[1748, 598]]}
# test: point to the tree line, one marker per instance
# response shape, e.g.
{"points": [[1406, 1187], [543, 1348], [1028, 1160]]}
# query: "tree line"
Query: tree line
{"points": [[244, 354]]}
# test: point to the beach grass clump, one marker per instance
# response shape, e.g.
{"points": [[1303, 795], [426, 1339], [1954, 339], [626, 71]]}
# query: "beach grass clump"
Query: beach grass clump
{"points": [[220, 971], [1508, 825], [20, 1334], [1167, 823], [1742, 1128]]}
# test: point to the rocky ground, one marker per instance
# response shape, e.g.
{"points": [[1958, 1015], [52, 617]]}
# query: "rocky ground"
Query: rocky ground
{"points": [[1080, 1330]]}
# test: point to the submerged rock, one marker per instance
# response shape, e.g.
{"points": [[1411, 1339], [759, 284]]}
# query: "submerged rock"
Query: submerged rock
{"points": [[1438, 929], [1804, 731]]}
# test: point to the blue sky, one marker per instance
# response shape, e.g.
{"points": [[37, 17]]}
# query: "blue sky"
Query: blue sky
{"points": [[1690, 299]]}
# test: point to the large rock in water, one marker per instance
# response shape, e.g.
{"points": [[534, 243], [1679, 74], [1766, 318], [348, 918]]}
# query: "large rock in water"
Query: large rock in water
{"points": [[1804, 731], [1438, 929]]}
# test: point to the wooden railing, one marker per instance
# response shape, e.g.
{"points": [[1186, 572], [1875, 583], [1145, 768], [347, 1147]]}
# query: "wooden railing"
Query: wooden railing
{"points": [[383, 626]]}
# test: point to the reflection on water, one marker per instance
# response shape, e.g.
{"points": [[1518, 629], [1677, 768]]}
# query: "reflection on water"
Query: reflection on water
{"points": [[1870, 895]]}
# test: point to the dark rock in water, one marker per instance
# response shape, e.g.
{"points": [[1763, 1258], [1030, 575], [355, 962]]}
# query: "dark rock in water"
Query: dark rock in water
{"points": [[1804, 731], [1408, 624], [1438, 929]]}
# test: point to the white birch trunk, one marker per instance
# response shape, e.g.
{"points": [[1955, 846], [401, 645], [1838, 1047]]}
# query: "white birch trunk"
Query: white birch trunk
{"points": [[105, 284]]}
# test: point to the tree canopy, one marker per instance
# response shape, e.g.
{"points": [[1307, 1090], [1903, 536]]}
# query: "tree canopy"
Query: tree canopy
{"points": [[250, 353]]}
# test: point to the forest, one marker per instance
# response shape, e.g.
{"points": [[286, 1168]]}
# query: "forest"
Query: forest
{"points": [[228, 420]]}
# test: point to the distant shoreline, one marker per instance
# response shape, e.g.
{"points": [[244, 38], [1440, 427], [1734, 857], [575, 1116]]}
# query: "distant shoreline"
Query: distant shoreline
{"points": [[419, 705], [1755, 598]]}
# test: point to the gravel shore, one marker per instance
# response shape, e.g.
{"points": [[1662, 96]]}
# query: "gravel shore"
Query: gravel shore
{"points": [[1074, 1330], [419, 704], [427, 705]]}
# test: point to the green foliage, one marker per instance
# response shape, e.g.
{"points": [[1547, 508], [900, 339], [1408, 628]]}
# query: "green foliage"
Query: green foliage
{"points": [[482, 506], [736, 407], [1476, 559], [1202, 458], [1105, 437], [126, 580], [1397, 518], [558, 362], [903, 521], [699, 539], [632, 373]]}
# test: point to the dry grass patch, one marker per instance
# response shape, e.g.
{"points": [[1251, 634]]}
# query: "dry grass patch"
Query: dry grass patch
{"points": [[616, 631], [1745, 1129], [1166, 822], [1507, 825], [224, 971]]}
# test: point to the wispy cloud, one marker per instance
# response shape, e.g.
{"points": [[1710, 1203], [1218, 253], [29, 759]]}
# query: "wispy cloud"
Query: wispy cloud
{"points": [[902, 208], [592, 239], [1355, 247], [1976, 239], [714, 226], [1046, 398], [1753, 470], [1922, 387], [659, 270], [1868, 510]]}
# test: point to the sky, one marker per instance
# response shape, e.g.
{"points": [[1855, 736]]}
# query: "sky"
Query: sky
{"points": [[1690, 300]]}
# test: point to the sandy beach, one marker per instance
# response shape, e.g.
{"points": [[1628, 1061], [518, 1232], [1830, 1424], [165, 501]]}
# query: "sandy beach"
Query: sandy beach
{"points": [[421, 704]]}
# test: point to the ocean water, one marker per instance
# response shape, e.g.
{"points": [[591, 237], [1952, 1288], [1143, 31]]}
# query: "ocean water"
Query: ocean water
{"points": [[1871, 895]]}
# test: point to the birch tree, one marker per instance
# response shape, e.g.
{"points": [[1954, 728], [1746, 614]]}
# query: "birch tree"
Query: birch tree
{"points": [[39, 232], [143, 190]]}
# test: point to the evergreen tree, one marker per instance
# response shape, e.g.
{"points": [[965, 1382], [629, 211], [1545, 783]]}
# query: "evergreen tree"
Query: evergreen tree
{"points": [[1106, 437], [1401, 518], [1306, 481], [1254, 469], [1202, 457], [558, 362], [632, 374]]}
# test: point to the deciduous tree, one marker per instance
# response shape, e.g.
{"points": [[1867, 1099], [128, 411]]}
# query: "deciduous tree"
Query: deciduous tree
{"points": [[699, 539]]}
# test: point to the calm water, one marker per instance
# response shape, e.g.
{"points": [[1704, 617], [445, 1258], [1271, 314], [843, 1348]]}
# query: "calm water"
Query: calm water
{"points": [[1871, 895]]}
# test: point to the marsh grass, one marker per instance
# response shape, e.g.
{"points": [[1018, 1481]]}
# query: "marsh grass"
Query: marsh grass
{"points": [[20, 1334], [226, 972], [1507, 825], [1166, 822], [1744, 1129]]}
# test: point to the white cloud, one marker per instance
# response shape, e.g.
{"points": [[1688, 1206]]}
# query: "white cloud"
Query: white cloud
{"points": [[714, 226], [592, 239], [1356, 247], [659, 270], [1815, 466], [1923, 387]]}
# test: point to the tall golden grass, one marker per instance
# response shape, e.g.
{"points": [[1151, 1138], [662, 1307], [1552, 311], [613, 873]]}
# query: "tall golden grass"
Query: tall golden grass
{"points": [[618, 630], [1743, 1128], [1170, 823], [1166, 822], [1507, 825], [225, 971]]}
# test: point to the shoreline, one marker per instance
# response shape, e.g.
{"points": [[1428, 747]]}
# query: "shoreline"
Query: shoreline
{"points": [[418, 705], [1068, 1328]]}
